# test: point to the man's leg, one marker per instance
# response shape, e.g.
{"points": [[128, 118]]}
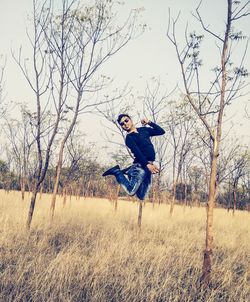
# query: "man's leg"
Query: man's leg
{"points": [[144, 187], [136, 176], [112, 171]]}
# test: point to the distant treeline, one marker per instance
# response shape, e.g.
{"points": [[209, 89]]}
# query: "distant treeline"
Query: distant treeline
{"points": [[84, 179]]}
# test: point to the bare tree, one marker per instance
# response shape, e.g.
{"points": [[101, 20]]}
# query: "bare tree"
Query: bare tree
{"points": [[77, 152], [246, 183], [236, 176], [93, 39], [38, 75], [154, 107], [19, 135], [235, 170], [195, 173], [180, 124], [209, 104]]}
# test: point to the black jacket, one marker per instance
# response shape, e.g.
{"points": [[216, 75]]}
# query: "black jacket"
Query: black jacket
{"points": [[141, 145]]}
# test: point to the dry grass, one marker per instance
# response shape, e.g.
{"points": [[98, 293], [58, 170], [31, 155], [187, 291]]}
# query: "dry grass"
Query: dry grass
{"points": [[91, 253]]}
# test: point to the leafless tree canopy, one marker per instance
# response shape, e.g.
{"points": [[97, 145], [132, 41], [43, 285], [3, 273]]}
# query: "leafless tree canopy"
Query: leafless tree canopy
{"points": [[209, 103]]}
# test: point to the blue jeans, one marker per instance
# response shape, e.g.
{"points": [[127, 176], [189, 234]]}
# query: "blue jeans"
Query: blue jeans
{"points": [[138, 181]]}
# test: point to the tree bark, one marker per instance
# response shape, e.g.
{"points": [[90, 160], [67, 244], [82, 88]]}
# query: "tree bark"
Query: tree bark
{"points": [[140, 215], [56, 183], [207, 262], [229, 197], [22, 185], [64, 196], [32, 206], [41, 191], [235, 197], [60, 157]]}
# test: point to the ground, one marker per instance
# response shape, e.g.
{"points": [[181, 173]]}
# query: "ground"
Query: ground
{"points": [[90, 252]]}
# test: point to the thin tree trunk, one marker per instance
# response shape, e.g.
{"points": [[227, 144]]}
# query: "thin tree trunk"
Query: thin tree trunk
{"points": [[207, 264], [64, 196], [87, 190], [22, 184], [159, 188], [56, 184], [140, 215], [32, 206], [60, 157], [185, 194], [207, 261], [235, 198], [116, 197], [41, 191], [173, 199], [229, 197]]}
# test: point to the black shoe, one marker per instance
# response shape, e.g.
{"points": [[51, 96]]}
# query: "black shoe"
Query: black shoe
{"points": [[112, 171]]}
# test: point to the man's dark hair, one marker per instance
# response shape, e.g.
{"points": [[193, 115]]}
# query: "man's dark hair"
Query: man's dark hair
{"points": [[121, 116]]}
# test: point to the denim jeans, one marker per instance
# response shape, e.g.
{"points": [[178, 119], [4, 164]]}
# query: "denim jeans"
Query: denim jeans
{"points": [[138, 181]]}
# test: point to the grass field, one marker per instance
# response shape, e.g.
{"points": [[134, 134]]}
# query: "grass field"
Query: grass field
{"points": [[92, 253]]}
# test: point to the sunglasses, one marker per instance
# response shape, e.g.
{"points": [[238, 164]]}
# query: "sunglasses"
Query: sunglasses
{"points": [[125, 121]]}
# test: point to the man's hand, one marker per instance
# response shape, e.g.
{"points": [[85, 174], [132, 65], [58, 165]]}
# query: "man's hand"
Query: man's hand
{"points": [[145, 121], [152, 168]]}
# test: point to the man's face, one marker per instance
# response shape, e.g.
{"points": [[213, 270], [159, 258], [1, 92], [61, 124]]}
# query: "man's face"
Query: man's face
{"points": [[126, 123]]}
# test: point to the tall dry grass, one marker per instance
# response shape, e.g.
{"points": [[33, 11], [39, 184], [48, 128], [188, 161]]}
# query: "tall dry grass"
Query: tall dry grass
{"points": [[91, 253]]}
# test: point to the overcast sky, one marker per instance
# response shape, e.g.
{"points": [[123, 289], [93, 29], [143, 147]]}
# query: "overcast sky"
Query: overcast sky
{"points": [[151, 55]]}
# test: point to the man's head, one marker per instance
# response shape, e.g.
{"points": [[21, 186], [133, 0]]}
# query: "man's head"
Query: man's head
{"points": [[125, 122]]}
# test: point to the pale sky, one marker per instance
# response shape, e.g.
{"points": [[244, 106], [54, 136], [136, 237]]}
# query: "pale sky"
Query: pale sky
{"points": [[151, 55]]}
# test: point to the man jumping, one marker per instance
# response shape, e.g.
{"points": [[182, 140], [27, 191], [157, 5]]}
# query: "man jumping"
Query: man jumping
{"points": [[138, 178], [138, 141]]}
